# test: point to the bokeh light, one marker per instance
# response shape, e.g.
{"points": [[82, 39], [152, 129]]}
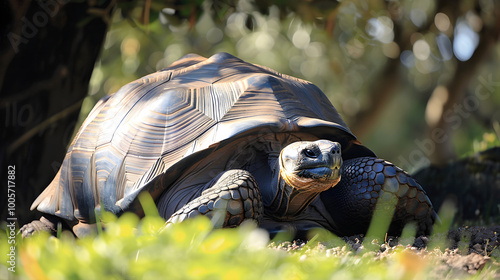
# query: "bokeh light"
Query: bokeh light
{"points": [[346, 52]]}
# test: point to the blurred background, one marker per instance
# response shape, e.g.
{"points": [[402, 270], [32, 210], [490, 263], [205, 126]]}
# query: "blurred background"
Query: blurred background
{"points": [[417, 81]]}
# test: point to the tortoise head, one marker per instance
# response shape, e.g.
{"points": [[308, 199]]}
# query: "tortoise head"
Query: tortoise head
{"points": [[306, 168], [311, 165]]}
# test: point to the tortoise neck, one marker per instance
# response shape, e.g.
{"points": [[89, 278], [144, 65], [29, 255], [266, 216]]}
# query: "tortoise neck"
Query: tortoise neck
{"points": [[289, 201]]}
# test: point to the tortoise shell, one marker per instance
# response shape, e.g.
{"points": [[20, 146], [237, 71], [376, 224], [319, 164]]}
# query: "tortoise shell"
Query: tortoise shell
{"points": [[144, 136]]}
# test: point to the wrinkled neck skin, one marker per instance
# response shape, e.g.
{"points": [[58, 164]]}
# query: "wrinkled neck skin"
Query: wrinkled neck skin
{"points": [[288, 201]]}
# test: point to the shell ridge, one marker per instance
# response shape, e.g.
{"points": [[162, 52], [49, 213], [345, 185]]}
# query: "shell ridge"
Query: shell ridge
{"points": [[146, 94], [129, 134]]}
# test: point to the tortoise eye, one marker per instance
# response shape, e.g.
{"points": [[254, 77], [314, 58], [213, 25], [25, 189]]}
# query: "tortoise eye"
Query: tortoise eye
{"points": [[310, 153]]}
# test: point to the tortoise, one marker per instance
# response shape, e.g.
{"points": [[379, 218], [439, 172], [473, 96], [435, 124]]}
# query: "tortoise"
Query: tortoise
{"points": [[231, 140]]}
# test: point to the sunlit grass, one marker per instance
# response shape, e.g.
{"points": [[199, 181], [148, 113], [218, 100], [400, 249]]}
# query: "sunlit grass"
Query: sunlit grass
{"points": [[446, 214], [133, 248]]}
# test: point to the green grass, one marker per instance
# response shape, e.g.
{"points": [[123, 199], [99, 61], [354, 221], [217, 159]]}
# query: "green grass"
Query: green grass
{"points": [[130, 248], [133, 248]]}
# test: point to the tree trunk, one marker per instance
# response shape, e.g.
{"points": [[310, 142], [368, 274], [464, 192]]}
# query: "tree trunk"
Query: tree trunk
{"points": [[47, 54], [450, 101]]}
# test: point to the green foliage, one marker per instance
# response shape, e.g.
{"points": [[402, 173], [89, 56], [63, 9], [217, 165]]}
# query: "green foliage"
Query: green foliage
{"points": [[345, 48], [130, 248], [489, 140]]}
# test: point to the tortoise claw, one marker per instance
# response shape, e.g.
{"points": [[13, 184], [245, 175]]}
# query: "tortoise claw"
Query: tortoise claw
{"points": [[37, 226]]}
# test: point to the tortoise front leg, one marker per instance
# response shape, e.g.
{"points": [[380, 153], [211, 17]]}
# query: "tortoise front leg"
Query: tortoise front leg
{"points": [[367, 181], [46, 223], [233, 197]]}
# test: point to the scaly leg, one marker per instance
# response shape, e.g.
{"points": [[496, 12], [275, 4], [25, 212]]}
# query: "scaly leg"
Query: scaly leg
{"points": [[367, 180], [233, 197]]}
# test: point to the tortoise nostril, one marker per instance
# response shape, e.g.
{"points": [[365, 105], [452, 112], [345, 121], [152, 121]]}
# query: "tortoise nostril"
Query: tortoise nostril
{"points": [[335, 150]]}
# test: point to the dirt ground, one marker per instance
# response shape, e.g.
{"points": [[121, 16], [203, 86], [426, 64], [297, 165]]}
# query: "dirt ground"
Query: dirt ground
{"points": [[469, 248]]}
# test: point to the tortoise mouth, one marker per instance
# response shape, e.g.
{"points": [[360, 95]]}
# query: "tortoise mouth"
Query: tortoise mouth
{"points": [[319, 172], [315, 179]]}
